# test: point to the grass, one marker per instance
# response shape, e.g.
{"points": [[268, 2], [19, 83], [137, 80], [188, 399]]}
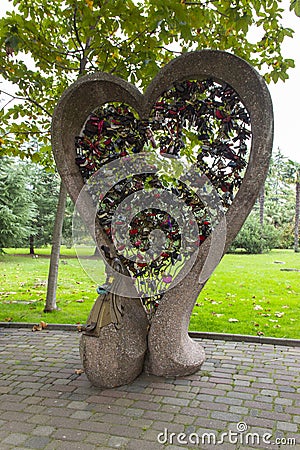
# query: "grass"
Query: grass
{"points": [[23, 293], [247, 294]]}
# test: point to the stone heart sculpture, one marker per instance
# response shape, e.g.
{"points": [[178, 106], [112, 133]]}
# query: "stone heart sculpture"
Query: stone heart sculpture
{"points": [[170, 350]]}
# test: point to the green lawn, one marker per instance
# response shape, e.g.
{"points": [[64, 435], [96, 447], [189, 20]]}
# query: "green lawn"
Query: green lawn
{"points": [[253, 290], [247, 294]]}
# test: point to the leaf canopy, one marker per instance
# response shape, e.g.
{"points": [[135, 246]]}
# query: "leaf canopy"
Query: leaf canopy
{"points": [[46, 45]]}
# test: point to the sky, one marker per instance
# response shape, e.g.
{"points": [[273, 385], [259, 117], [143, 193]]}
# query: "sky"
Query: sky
{"points": [[285, 95]]}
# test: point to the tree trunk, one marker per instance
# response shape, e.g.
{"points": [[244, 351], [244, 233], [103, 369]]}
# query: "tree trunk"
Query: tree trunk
{"points": [[262, 206], [55, 251], [297, 215], [261, 200], [31, 244]]}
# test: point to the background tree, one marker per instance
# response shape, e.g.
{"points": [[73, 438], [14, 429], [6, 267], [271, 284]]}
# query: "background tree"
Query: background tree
{"points": [[45, 187], [17, 209], [292, 175], [64, 39], [297, 214], [28, 197], [280, 227]]}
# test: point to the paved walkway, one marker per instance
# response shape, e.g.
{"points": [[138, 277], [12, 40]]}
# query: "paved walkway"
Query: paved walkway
{"points": [[45, 404]]}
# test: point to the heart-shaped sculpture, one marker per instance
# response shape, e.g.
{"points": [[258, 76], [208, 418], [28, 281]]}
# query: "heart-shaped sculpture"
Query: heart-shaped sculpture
{"points": [[170, 350]]}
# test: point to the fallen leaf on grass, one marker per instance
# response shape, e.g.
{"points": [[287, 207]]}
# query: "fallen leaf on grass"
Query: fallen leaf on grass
{"points": [[258, 308], [80, 300], [232, 320], [8, 319], [260, 333], [217, 314], [279, 314]]}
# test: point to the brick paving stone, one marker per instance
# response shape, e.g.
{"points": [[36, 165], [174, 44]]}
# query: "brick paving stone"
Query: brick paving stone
{"points": [[126, 431], [21, 427], [287, 426], [172, 427], [69, 435], [96, 427], [65, 445], [175, 401], [283, 401], [184, 419], [43, 430], [81, 415], [231, 417], [143, 423], [214, 406], [151, 435], [137, 444], [239, 410], [229, 401], [37, 442], [117, 441], [150, 406], [264, 398], [96, 438], [170, 408], [76, 405], [16, 416], [124, 402], [114, 419], [42, 399], [158, 415], [134, 412], [15, 438]]}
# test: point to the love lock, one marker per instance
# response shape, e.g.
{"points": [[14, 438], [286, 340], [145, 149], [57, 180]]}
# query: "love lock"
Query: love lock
{"points": [[202, 109]]}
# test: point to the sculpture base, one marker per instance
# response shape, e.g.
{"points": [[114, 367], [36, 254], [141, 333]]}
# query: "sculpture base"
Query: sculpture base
{"points": [[185, 360], [116, 356], [107, 365]]}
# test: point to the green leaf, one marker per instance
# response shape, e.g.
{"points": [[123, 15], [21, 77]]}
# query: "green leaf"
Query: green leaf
{"points": [[295, 5]]}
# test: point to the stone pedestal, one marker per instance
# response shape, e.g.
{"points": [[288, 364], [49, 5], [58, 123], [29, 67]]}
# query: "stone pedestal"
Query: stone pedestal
{"points": [[117, 356]]}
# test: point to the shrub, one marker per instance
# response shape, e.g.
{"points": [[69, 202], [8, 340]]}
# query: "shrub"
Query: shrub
{"points": [[256, 239]]}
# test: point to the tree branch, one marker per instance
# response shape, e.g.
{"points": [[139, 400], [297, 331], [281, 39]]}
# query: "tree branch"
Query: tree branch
{"points": [[84, 59], [31, 100], [168, 50], [76, 29]]}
